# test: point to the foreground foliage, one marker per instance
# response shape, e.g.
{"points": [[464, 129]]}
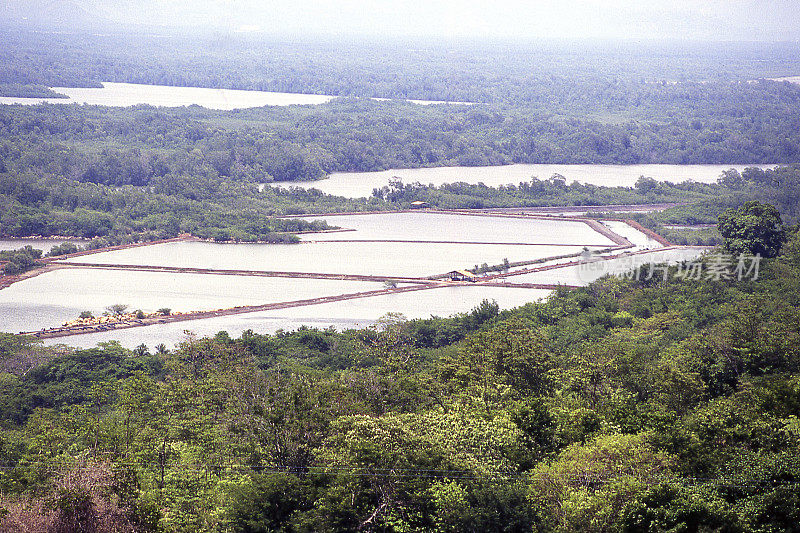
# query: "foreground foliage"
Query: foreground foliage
{"points": [[625, 406]]}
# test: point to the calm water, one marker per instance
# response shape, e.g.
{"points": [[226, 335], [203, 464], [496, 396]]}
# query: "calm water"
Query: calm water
{"points": [[42, 244], [128, 94], [341, 315], [365, 258], [636, 237], [445, 227], [330, 256], [585, 274], [55, 297], [360, 184]]}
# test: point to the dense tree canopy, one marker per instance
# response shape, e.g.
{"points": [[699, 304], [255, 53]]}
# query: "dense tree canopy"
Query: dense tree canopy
{"points": [[624, 406], [753, 228]]}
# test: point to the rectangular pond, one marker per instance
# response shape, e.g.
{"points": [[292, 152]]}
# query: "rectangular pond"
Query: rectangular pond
{"points": [[328, 257], [587, 273], [348, 314], [428, 226], [52, 298]]}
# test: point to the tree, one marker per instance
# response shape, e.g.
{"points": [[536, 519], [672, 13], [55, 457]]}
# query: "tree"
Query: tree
{"points": [[644, 184], [116, 309], [754, 228], [63, 249], [21, 260], [587, 485], [731, 179]]}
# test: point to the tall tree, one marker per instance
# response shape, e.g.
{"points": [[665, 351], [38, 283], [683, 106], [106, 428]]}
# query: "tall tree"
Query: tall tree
{"points": [[753, 228]]}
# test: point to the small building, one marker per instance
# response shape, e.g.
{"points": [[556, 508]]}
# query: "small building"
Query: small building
{"points": [[419, 204], [462, 275]]}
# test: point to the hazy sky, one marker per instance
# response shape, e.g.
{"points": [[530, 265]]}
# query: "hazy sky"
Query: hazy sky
{"points": [[695, 19]]}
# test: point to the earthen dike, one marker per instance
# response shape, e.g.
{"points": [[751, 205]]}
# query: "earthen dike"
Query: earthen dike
{"points": [[395, 284]]}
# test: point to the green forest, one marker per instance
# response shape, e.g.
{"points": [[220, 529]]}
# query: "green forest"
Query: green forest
{"points": [[650, 405], [547, 74], [143, 173]]}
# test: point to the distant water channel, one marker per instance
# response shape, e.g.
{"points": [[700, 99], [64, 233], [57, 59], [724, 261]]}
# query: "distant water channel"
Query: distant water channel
{"points": [[361, 184], [42, 244], [128, 94]]}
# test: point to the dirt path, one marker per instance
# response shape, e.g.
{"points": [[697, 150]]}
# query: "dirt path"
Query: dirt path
{"points": [[255, 273]]}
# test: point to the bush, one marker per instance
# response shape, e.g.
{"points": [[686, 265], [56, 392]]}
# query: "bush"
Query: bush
{"points": [[21, 260], [63, 249]]}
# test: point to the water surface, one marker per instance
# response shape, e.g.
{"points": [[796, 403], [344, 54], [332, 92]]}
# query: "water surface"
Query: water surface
{"points": [[427, 226], [637, 238], [52, 298], [361, 184], [55, 297], [331, 257], [42, 244], [587, 273], [350, 314], [128, 94]]}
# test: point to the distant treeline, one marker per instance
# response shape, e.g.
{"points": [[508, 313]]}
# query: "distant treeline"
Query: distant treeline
{"points": [[28, 91], [117, 146], [31, 205], [704, 202], [147, 173], [779, 186], [540, 193], [556, 76]]}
